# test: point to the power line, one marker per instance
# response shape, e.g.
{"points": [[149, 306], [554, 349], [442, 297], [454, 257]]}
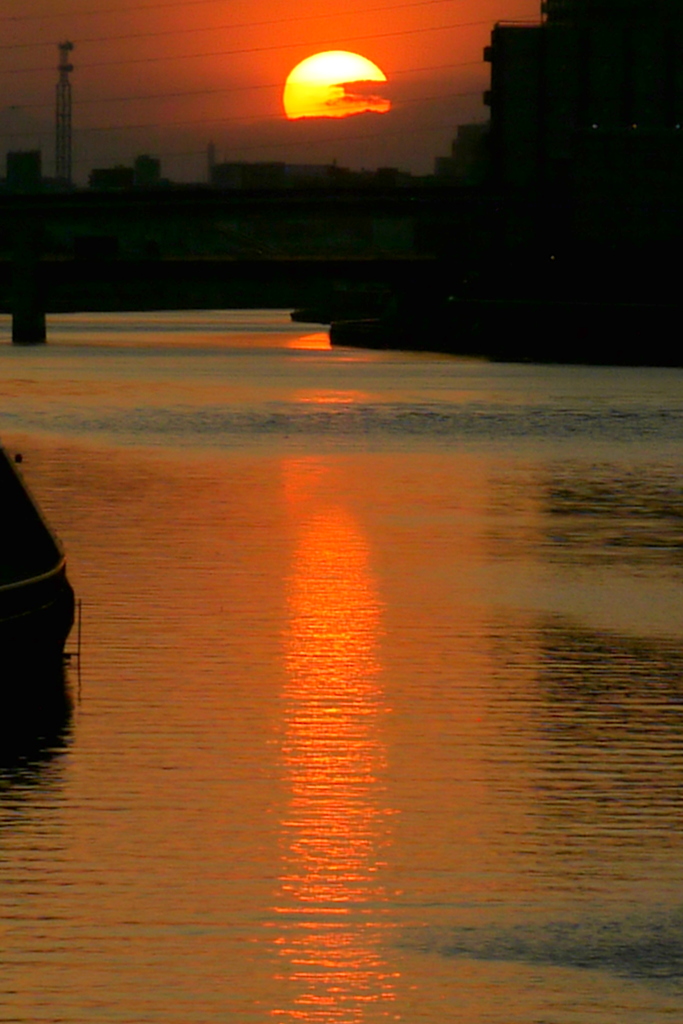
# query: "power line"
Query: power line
{"points": [[90, 101], [244, 118], [233, 25], [133, 9], [259, 49], [51, 15], [255, 119]]}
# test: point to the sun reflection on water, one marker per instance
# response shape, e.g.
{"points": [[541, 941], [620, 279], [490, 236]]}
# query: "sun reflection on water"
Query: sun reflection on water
{"points": [[318, 341], [329, 904]]}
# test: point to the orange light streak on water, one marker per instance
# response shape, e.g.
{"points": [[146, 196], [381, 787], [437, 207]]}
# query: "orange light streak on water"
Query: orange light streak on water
{"points": [[330, 900], [319, 341]]}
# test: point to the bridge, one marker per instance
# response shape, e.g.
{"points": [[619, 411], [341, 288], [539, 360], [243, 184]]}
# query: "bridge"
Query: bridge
{"points": [[201, 248]]}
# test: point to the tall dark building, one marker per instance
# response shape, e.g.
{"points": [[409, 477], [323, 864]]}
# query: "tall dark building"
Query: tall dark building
{"points": [[589, 102]]}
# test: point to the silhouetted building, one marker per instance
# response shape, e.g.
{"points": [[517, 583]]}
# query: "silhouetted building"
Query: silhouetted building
{"points": [[308, 175], [590, 101], [146, 172], [106, 178], [303, 176], [210, 160], [246, 175], [387, 177], [469, 162], [24, 171]]}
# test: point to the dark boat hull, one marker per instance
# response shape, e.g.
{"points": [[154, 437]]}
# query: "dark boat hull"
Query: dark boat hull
{"points": [[36, 598], [35, 623]]}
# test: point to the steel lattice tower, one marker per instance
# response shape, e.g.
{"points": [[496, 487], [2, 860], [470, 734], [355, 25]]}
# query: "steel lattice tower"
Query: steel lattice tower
{"points": [[63, 116]]}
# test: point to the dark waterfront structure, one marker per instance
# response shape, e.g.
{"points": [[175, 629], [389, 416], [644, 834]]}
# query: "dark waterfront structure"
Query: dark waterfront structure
{"points": [[209, 248]]}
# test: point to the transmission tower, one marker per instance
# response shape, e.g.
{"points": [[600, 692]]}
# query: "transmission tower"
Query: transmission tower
{"points": [[63, 119]]}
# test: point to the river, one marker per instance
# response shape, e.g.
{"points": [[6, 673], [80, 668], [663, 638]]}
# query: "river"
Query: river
{"points": [[379, 710]]}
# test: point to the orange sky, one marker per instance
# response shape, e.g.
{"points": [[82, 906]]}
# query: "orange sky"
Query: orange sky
{"points": [[186, 73]]}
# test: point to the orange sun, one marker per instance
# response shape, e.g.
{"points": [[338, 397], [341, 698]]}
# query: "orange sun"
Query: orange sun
{"points": [[336, 83]]}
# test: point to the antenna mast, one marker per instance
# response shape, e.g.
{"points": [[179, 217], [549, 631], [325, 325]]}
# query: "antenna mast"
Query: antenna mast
{"points": [[63, 116]]}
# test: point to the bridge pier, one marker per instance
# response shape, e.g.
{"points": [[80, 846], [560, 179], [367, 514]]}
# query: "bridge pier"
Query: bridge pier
{"points": [[28, 307]]}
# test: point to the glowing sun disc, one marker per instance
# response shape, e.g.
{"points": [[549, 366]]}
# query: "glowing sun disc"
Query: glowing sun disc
{"points": [[336, 83]]}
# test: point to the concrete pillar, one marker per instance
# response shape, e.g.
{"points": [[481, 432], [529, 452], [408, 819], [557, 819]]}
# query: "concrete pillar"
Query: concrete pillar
{"points": [[28, 307]]}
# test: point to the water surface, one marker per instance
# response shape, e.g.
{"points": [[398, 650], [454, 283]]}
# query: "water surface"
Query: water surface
{"points": [[380, 707]]}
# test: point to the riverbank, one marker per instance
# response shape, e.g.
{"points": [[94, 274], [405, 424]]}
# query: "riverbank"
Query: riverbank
{"points": [[588, 333]]}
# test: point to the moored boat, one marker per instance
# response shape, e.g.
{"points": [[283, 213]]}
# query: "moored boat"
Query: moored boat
{"points": [[36, 598]]}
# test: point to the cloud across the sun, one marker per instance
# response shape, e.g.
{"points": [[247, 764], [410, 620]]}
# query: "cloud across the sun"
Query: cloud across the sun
{"points": [[335, 83]]}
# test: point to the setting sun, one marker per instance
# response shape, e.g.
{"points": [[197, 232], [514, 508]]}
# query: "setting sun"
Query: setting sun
{"points": [[336, 83]]}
